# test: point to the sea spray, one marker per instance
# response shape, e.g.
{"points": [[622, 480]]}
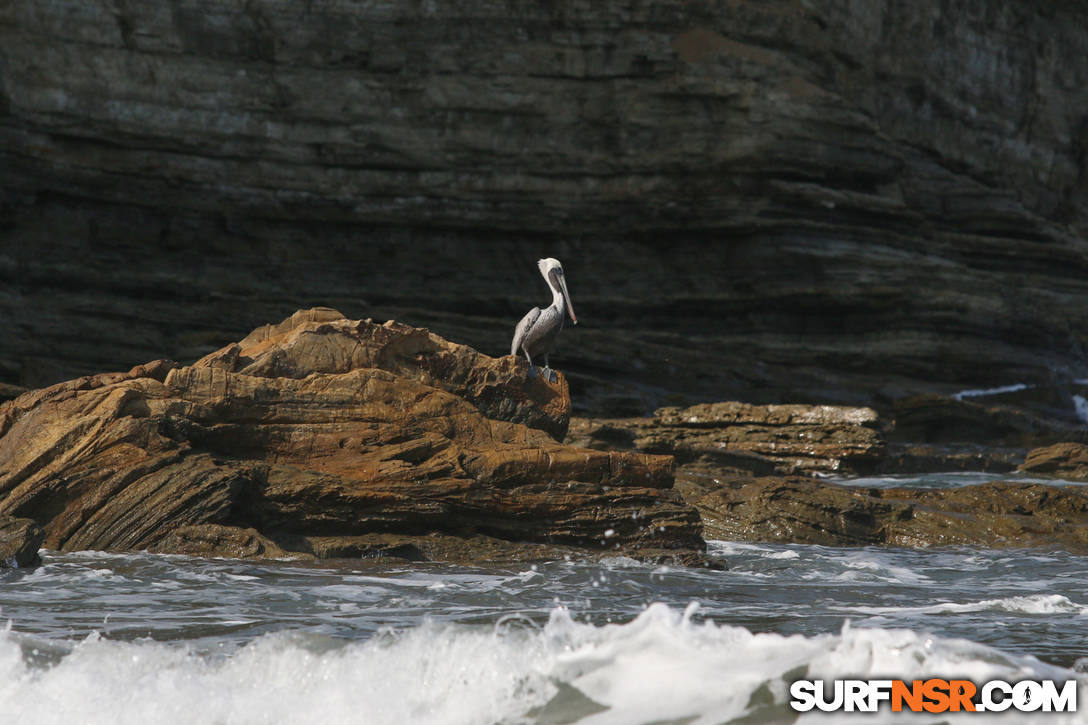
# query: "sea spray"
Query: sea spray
{"points": [[663, 665]]}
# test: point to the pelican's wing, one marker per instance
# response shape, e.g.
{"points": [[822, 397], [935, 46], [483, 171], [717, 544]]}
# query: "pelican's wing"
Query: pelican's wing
{"points": [[523, 328]]}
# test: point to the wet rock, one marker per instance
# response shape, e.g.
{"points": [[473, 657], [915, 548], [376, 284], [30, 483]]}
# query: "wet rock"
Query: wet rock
{"points": [[803, 510], [906, 458], [1061, 460], [730, 437], [789, 509], [325, 427], [216, 540], [475, 549], [20, 540]]}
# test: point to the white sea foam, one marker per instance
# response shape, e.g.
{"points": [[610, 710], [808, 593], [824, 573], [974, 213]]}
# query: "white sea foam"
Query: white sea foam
{"points": [[881, 566], [1080, 405], [989, 391], [1041, 604], [662, 666]]}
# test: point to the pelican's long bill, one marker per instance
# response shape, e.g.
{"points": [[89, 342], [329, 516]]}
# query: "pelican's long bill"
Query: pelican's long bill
{"points": [[566, 295]]}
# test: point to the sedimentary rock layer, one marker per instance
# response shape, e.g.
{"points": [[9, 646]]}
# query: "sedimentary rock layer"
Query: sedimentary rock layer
{"points": [[757, 200], [1061, 460], [325, 427], [721, 437], [808, 511]]}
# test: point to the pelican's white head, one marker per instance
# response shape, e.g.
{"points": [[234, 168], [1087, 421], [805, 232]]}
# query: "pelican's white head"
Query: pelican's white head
{"points": [[552, 271], [547, 264]]}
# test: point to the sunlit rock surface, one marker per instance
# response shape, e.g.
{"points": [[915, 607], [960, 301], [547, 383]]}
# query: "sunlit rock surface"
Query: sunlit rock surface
{"points": [[307, 435], [758, 438], [1061, 460]]}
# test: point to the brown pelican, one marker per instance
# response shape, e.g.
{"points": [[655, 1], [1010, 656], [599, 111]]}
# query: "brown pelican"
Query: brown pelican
{"points": [[537, 331]]}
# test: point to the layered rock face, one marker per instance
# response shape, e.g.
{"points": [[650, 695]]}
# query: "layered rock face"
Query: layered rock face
{"points": [[798, 510], [766, 201], [759, 473], [320, 436], [720, 438], [1061, 460]]}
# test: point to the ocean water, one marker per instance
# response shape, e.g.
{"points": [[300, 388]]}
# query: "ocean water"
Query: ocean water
{"points": [[140, 638], [954, 479]]}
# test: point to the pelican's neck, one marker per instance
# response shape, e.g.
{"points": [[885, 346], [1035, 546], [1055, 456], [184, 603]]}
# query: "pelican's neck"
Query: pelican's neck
{"points": [[557, 296], [558, 301]]}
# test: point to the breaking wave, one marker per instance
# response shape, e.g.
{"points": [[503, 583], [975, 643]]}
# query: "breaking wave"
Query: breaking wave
{"points": [[666, 665]]}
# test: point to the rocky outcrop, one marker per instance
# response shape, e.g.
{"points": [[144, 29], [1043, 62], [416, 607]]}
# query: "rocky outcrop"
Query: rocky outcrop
{"points": [[308, 433], [738, 465], [862, 201], [20, 540], [804, 510], [723, 438], [1068, 461]]}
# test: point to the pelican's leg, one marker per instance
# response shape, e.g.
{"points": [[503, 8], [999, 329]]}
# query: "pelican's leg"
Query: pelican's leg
{"points": [[532, 368], [548, 373]]}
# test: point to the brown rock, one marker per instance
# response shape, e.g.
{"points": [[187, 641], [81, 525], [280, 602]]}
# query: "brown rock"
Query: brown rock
{"points": [[216, 540], [801, 510], [791, 510], [906, 458], [1061, 460], [472, 549], [324, 427], [20, 540], [319, 341], [721, 438]]}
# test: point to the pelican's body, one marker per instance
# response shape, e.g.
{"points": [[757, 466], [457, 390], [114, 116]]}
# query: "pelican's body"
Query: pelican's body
{"points": [[536, 332]]}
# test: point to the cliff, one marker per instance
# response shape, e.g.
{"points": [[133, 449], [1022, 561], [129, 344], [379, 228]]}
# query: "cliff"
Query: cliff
{"points": [[766, 201]]}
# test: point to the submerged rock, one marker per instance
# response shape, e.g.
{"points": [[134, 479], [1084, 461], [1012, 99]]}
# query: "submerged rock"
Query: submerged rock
{"points": [[20, 540], [728, 437], [325, 427]]}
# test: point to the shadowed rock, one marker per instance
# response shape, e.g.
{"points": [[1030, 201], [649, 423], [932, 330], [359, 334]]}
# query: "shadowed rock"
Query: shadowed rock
{"points": [[325, 427], [982, 420], [20, 540]]}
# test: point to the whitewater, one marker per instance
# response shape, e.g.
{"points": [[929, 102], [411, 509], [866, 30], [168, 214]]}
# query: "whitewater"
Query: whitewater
{"points": [[94, 637]]}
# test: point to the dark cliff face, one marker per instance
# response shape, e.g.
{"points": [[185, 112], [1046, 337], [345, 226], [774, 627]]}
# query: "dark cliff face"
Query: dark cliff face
{"points": [[756, 200]]}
